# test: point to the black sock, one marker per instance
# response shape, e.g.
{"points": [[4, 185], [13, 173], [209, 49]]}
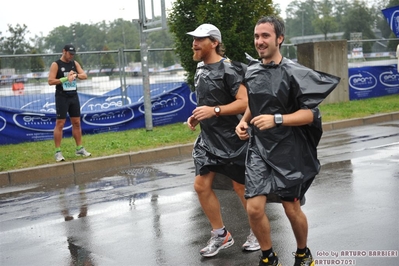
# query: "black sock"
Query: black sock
{"points": [[267, 253], [301, 250]]}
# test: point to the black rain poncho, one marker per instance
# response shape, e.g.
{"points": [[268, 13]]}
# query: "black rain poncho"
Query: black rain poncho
{"points": [[218, 147], [283, 160]]}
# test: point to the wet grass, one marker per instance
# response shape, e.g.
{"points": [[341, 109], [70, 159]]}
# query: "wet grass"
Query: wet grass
{"points": [[359, 108], [29, 154]]}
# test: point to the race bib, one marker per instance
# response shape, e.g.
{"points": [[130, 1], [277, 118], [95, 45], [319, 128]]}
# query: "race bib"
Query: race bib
{"points": [[69, 86]]}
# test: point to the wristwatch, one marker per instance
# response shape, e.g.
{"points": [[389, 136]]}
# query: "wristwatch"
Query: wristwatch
{"points": [[278, 119], [217, 110], [77, 74]]}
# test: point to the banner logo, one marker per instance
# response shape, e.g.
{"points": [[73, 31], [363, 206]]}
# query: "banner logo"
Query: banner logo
{"points": [[100, 104], [390, 79], [37, 122], [363, 81], [166, 104], [193, 98], [111, 118], [3, 123]]}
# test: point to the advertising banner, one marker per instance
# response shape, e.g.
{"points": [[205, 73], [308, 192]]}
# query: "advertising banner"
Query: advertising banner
{"points": [[373, 81], [34, 120], [392, 16], [25, 119]]}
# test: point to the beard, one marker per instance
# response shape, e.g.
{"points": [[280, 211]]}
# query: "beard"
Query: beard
{"points": [[264, 54], [267, 53], [197, 55]]}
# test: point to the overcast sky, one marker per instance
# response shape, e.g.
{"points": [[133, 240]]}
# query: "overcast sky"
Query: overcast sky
{"points": [[45, 15]]}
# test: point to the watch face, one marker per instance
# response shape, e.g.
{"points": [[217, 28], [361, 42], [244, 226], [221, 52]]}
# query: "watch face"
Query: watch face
{"points": [[217, 110], [278, 119]]}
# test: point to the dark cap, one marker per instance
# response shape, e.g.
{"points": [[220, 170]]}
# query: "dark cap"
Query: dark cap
{"points": [[70, 48]]}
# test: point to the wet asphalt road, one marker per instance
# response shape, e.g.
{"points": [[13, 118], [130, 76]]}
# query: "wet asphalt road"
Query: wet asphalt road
{"points": [[150, 215]]}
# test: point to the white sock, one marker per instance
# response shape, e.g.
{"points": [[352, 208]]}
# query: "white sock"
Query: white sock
{"points": [[219, 231]]}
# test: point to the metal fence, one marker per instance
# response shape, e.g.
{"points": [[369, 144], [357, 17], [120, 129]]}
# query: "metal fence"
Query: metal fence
{"points": [[106, 70], [119, 69]]}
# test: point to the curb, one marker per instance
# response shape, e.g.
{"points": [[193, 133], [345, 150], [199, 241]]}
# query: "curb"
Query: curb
{"points": [[75, 170]]}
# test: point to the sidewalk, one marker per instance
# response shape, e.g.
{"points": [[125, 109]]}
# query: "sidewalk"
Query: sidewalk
{"points": [[94, 166]]}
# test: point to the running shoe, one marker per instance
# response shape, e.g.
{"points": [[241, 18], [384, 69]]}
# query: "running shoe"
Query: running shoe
{"points": [[216, 243], [252, 243], [58, 157], [270, 261], [304, 259], [82, 152]]}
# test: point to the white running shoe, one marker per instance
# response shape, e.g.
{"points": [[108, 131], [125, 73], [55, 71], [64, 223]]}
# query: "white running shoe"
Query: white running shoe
{"points": [[252, 243], [217, 243], [82, 152], [58, 157]]}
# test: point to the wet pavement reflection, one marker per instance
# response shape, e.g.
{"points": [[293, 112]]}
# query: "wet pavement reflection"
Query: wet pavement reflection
{"points": [[150, 215]]}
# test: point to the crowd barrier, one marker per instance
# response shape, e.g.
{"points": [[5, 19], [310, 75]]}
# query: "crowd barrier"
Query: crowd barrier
{"points": [[35, 120], [23, 118]]}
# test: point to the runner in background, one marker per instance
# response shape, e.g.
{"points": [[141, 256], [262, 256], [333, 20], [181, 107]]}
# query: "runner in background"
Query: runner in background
{"points": [[63, 74]]}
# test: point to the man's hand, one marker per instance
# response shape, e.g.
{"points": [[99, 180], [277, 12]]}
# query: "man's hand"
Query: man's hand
{"points": [[203, 112], [263, 122], [71, 76], [192, 123], [241, 130]]}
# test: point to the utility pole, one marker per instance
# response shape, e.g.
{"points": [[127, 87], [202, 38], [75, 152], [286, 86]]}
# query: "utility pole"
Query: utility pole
{"points": [[144, 24]]}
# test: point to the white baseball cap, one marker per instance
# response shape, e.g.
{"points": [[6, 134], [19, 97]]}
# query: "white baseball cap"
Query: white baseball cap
{"points": [[207, 30]]}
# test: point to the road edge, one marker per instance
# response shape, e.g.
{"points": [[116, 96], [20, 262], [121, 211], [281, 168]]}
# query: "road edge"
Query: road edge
{"points": [[76, 169]]}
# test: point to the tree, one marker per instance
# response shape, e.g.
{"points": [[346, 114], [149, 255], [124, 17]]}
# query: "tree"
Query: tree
{"points": [[122, 34], [36, 62], [340, 7], [168, 59], [299, 18], [235, 19], [14, 44], [83, 36], [324, 22], [107, 61], [58, 37], [357, 19], [153, 40]]}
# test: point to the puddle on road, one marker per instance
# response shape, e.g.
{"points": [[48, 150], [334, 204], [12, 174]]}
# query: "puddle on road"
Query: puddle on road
{"points": [[109, 180]]}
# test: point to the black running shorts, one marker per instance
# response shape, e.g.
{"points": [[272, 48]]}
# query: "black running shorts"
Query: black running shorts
{"points": [[67, 104]]}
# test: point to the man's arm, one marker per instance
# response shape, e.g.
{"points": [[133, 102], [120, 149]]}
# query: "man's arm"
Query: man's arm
{"points": [[52, 80], [234, 108], [80, 73], [298, 118], [239, 105]]}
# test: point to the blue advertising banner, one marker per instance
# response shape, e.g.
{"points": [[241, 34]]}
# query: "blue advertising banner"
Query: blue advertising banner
{"points": [[35, 120], [24, 119], [373, 81], [392, 16]]}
